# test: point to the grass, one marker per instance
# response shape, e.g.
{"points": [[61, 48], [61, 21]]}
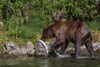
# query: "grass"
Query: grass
{"points": [[94, 25]]}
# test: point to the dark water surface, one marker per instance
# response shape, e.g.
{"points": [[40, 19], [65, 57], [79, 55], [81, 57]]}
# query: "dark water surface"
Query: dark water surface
{"points": [[50, 62]]}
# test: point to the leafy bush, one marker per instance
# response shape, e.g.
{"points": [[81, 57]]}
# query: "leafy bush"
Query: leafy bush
{"points": [[94, 25], [84, 10], [33, 27], [14, 26]]}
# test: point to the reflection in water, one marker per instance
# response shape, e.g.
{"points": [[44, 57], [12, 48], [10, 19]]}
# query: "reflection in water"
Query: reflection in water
{"points": [[50, 62]]}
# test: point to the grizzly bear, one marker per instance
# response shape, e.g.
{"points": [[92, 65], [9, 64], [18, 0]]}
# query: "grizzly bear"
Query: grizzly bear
{"points": [[64, 31]]}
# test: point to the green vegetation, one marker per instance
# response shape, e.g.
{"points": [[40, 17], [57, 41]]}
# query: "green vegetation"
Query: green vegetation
{"points": [[25, 19], [85, 10], [33, 28], [94, 25]]}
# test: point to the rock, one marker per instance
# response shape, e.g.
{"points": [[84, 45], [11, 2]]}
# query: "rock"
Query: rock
{"points": [[13, 49], [30, 48], [1, 23], [11, 46], [23, 50], [70, 48], [16, 51], [31, 52], [96, 47], [39, 53], [98, 50]]}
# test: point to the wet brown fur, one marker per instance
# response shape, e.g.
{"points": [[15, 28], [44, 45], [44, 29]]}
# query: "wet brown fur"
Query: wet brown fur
{"points": [[65, 31]]}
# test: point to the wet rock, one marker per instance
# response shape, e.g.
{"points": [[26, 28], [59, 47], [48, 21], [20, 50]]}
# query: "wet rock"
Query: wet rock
{"points": [[29, 45], [21, 51], [98, 50], [70, 49], [96, 47], [30, 48], [16, 52], [13, 49], [39, 53], [10, 46]]}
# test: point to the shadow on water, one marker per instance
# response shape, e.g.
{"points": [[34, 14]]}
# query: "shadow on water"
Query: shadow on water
{"points": [[51, 62]]}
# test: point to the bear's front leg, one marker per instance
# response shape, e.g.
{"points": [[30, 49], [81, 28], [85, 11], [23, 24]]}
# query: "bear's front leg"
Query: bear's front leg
{"points": [[64, 47], [59, 42]]}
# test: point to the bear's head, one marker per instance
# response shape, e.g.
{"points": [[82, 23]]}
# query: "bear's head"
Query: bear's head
{"points": [[47, 33]]}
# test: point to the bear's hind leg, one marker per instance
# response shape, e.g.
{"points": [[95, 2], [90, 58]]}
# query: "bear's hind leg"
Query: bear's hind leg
{"points": [[89, 47]]}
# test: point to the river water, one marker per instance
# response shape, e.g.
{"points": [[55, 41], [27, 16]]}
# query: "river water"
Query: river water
{"points": [[50, 62]]}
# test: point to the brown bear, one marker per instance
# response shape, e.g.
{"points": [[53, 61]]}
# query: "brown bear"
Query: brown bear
{"points": [[65, 31]]}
